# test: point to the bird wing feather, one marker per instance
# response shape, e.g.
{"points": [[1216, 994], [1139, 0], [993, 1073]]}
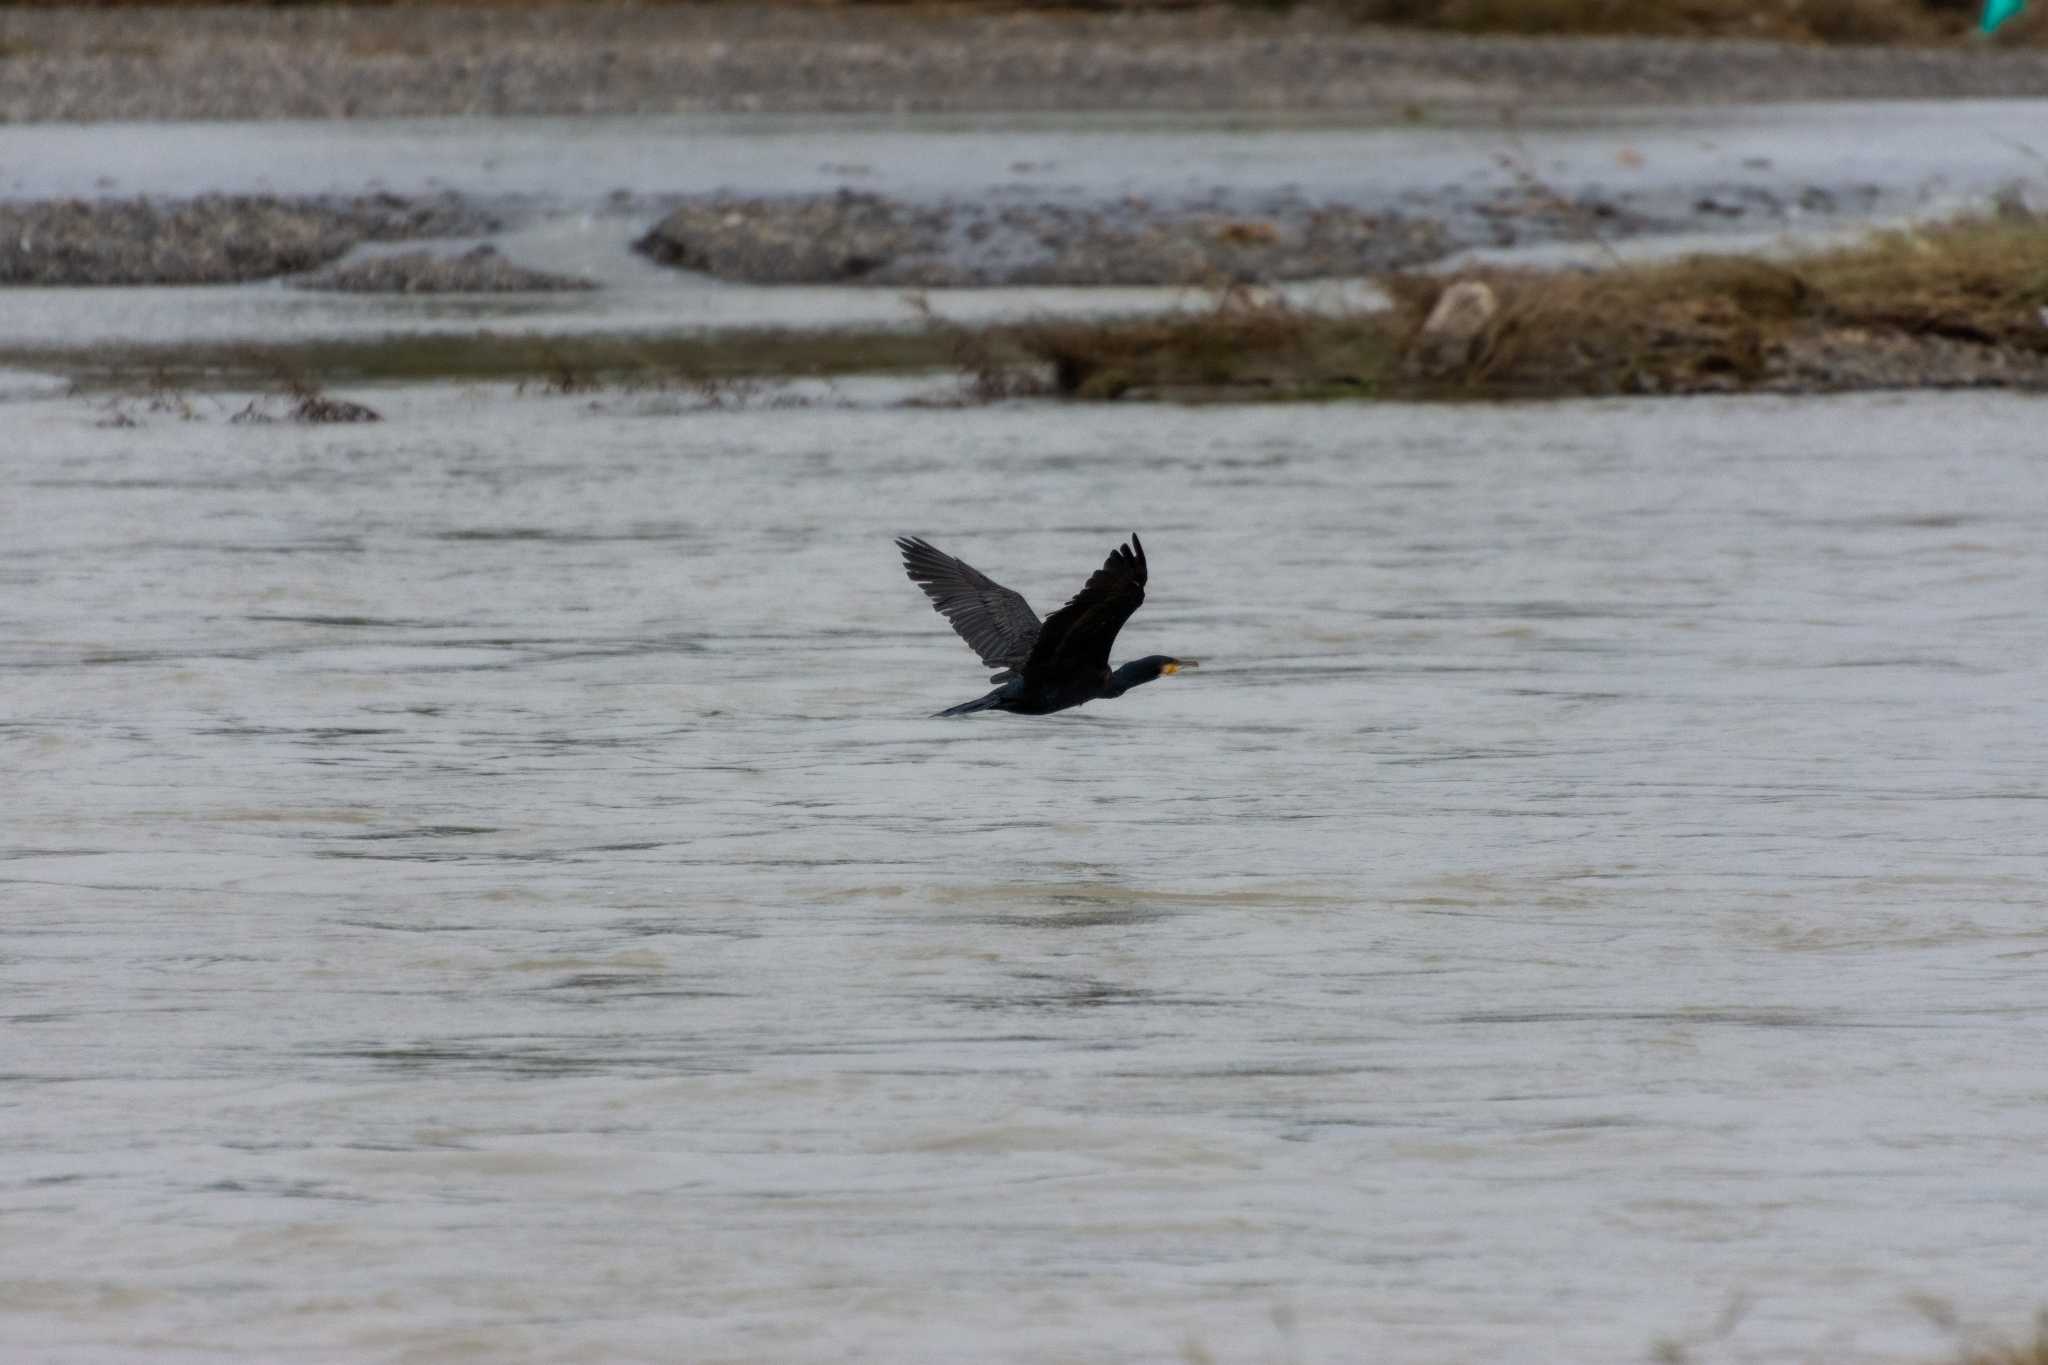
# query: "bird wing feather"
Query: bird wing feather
{"points": [[1076, 639], [995, 621]]}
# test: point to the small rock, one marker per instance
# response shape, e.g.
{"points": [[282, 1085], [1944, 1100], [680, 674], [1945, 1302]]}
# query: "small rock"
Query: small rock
{"points": [[309, 406], [318, 409], [1451, 333]]}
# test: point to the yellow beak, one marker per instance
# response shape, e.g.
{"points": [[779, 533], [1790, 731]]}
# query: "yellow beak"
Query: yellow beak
{"points": [[1178, 664]]}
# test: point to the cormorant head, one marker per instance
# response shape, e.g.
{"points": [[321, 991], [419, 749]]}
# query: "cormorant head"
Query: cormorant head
{"points": [[1144, 670]]}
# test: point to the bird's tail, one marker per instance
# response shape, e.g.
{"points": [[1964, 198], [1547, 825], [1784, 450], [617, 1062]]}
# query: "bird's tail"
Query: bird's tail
{"points": [[978, 704]]}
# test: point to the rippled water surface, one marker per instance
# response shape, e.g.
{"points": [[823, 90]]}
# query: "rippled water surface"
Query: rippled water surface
{"points": [[484, 886]]}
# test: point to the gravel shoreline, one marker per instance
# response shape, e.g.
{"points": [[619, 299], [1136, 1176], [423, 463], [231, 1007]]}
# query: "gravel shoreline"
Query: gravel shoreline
{"points": [[264, 63], [211, 239], [1222, 237], [258, 63], [855, 237], [861, 238]]}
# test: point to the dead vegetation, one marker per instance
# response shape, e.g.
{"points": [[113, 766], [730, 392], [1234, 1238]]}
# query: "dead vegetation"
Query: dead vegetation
{"points": [[991, 364], [1957, 304], [1954, 305], [1249, 343], [2032, 1351], [1986, 1348], [556, 364], [302, 400]]}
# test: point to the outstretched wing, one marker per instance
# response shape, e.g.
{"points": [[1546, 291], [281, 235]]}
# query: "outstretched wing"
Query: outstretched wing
{"points": [[997, 623], [1075, 640]]}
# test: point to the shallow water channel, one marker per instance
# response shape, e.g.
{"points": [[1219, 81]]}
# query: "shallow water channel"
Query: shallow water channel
{"points": [[484, 886], [574, 193]]}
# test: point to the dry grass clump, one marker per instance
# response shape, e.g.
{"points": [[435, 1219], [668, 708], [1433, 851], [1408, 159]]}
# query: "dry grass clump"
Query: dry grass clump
{"points": [[1979, 278], [1959, 304], [991, 366], [2033, 1351], [1936, 297], [1245, 344], [309, 405]]}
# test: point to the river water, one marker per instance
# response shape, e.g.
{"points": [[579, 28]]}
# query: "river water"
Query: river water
{"points": [[484, 886]]}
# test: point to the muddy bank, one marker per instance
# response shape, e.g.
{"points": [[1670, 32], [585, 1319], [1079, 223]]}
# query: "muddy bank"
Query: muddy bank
{"points": [[254, 62], [1221, 237], [212, 239], [1958, 305], [1268, 360], [1259, 357]]}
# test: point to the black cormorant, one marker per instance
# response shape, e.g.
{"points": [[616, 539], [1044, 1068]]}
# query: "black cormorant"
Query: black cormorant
{"points": [[1048, 666]]}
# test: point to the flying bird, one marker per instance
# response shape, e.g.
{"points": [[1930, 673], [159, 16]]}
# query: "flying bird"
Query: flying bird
{"points": [[1042, 666]]}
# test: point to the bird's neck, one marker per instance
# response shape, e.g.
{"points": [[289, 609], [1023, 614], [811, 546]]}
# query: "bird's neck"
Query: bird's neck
{"points": [[1129, 676]]}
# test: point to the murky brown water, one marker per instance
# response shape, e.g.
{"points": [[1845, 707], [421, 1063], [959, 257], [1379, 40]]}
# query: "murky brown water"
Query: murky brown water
{"points": [[484, 886]]}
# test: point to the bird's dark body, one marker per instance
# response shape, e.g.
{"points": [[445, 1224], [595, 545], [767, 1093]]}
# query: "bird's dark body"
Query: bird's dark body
{"points": [[1020, 697], [1044, 666]]}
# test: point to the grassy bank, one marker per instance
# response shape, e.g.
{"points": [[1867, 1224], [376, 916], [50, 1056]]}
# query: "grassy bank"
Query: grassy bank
{"points": [[1961, 304], [2018, 1352], [569, 363]]}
